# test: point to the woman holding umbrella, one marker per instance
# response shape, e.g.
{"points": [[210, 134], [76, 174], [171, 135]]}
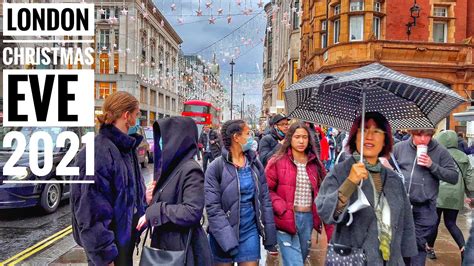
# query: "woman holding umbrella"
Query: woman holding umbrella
{"points": [[377, 220]]}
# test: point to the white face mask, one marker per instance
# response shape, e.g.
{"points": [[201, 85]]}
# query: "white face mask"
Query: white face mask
{"points": [[358, 205]]}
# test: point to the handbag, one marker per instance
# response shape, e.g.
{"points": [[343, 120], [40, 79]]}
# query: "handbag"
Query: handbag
{"points": [[153, 256]]}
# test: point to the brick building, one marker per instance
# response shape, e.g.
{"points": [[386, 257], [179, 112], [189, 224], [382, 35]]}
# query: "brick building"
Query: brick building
{"points": [[353, 33]]}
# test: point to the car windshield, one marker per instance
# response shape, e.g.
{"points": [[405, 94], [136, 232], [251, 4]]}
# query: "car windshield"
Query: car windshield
{"points": [[149, 134], [28, 132]]}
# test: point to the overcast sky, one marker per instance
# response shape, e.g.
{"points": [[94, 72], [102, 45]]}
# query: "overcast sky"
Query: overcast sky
{"points": [[244, 40]]}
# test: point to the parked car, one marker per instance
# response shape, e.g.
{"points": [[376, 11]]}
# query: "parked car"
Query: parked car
{"points": [[46, 196], [151, 141]]}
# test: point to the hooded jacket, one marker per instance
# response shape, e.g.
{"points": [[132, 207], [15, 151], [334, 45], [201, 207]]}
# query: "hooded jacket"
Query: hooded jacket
{"points": [[178, 198], [223, 201], [281, 177], [268, 146], [452, 196], [102, 213], [425, 181]]}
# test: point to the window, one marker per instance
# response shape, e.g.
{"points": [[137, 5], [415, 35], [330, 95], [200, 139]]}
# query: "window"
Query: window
{"points": [[440, 12], [324, 42], [104, 90], [143, 94], [152, 98], [377, 6], [294, 67], [377, 27], [104, 63], [357, 5], [323, 25], [356, 28], [296, 19], [106, 14], [116, 62], [337, 9], [337, 30], [440, 32], [104, 40]]}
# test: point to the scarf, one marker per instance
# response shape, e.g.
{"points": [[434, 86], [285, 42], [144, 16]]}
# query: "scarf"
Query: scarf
{"points": [[381, 208]]}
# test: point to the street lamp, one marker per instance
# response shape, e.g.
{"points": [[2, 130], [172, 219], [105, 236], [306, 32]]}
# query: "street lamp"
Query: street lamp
{"points": [[231, 86], [243, 106], [414, 14]]}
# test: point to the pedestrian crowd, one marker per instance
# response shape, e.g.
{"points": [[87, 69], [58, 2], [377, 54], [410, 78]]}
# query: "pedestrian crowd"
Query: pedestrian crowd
{"points": [[270, 187]]}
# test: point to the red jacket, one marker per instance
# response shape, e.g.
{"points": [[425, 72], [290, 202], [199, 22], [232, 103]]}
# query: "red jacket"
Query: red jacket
{"points": [[324, 145], [281, 179]]}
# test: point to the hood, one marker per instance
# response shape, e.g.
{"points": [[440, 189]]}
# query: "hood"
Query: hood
{"points": [[179, 136], [448, 139]]}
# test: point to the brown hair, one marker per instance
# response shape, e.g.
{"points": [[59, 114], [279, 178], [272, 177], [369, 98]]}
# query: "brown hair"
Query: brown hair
{"points": [[422, 131], [115, 105]]}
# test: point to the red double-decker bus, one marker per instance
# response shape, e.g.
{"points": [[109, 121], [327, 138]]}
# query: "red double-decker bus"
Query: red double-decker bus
{"points": [[203, 113]]}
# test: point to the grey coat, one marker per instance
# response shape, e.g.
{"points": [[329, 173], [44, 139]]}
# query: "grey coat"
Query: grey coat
{"points": [[363, 231], [425, 183]]}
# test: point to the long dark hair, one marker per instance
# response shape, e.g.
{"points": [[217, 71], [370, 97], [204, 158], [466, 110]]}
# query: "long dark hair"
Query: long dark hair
{"points": [[381, 122], [228, 130], [289, 135]]}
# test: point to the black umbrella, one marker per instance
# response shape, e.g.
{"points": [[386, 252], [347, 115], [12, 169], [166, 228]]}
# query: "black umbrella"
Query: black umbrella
{"points": [[337, 99]]}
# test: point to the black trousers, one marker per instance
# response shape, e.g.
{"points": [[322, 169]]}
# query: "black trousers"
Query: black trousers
{"points": [[206, 159], [450, 217]]}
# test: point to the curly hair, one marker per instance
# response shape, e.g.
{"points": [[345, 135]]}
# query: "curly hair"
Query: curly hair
{"points": [[230, 128]]}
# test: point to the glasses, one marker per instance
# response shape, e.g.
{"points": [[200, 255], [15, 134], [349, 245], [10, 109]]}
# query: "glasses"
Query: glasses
{"points": [[283, 124], [374, 131]]}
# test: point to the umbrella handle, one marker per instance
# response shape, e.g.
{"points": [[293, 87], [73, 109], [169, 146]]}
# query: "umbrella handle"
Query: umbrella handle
{"points": [[362, 129]]}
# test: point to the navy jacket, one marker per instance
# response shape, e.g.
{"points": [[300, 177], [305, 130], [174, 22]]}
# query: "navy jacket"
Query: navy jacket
{"points": [[178, 199], [102, 213], [268, 146], [223, 202]]}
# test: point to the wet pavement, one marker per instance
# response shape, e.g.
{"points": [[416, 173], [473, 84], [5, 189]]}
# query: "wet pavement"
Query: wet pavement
{"points": [[22, 228]]}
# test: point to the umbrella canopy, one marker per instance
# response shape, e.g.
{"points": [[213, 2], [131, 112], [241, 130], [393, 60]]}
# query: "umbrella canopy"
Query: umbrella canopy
{"points": [[336, 99]]}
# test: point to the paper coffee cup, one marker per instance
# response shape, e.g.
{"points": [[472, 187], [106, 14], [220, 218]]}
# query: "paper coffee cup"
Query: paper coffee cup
{"points": [[421, 149]]}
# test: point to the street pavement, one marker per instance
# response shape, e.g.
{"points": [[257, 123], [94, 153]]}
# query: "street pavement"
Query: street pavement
{"points": [[21, 229]]}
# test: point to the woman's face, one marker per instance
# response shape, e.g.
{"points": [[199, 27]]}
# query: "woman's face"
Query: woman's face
{"points": [[242, 138], [299, 140], [374, 139]]}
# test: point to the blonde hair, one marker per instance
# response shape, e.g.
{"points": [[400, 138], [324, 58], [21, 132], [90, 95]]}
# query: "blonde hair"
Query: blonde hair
{"points": [[115, 105]]}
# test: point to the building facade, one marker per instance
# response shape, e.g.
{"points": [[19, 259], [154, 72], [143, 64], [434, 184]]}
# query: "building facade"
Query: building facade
{"points": [[281, 53], [202, 81], [340, 35], [137, 51]]}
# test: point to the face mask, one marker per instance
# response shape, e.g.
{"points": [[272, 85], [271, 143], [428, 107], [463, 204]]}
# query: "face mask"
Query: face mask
{"points": [[280, 133], [247, 146], [132, 130], [358, 205]]}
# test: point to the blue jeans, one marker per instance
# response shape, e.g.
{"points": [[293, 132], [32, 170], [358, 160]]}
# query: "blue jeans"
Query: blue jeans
{"points": [[295, 248]]}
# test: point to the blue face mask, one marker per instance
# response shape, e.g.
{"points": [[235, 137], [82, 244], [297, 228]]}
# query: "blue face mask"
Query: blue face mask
{"points": [[280, 133], [247, 146]]}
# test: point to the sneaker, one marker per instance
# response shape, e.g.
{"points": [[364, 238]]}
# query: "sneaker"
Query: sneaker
{"points": [[431, 253]]}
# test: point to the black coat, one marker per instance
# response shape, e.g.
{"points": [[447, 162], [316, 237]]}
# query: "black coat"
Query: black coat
{"points": [[103, 212], [268, 146], [180, 184], [216, 147]]}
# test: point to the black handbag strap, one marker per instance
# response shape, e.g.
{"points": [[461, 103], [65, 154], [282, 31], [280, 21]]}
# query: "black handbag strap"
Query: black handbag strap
{"points": [[188, 240]]}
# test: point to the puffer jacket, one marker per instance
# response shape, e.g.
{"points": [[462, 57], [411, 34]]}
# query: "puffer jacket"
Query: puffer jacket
{"points": [[268, 146], [222, 194], [452, 196], [281, 177], [103, 212]]}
